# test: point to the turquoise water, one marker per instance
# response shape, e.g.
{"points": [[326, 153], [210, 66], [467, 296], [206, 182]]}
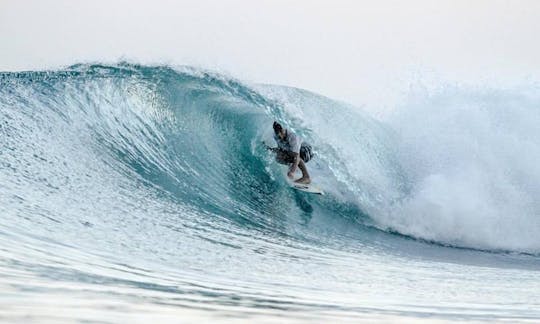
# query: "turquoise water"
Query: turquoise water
{"points": [[137, 193]]}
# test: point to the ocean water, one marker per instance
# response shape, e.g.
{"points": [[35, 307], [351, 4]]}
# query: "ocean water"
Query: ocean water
{"points": [[135, 193]]}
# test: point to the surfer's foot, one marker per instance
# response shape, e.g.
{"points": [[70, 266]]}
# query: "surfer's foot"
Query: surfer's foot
{"points": [[303, 180]]}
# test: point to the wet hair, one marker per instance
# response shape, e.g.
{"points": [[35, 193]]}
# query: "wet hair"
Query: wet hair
{"points": [[277, 127]]}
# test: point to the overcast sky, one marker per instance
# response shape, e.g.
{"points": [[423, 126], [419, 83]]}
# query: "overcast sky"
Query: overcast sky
{"points": [[357, 51]]}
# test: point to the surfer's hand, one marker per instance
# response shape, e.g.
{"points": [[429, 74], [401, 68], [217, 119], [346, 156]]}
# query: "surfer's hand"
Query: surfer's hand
{"points": [[266, 146], [269, 148], [290, 174]]}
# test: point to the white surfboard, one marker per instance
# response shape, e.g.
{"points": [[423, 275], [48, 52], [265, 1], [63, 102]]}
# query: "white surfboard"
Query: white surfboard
{"points": [[310, 188]]}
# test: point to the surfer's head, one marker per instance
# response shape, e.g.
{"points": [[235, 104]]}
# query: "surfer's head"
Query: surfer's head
{"points": [[278, 129]]}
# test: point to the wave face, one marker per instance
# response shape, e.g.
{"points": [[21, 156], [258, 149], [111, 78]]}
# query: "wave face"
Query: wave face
{"points": [[152, 182]]}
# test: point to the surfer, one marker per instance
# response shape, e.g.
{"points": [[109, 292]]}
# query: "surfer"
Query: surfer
{"points": [[290, 150]]}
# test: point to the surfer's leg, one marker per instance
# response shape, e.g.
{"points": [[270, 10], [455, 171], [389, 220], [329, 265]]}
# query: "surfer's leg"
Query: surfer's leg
{"points": [[305, 175], [284, 158], [281, 158]]}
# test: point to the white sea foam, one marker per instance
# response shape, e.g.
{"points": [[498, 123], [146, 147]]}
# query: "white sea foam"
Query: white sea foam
{"points": [[471, 159]]}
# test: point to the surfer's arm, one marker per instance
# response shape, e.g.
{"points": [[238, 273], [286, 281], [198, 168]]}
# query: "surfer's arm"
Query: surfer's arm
{"points": [[294, 165], [294, 144], [269, 148]]}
